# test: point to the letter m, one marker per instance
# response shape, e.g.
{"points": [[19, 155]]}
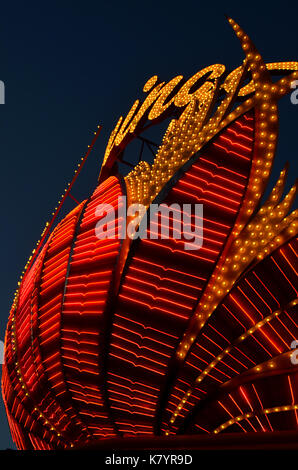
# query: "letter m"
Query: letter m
{"points": [[164, 210]]}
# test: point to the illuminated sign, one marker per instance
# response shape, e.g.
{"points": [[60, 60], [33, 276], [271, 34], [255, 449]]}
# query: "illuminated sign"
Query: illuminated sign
{"points": [[135, 336]]}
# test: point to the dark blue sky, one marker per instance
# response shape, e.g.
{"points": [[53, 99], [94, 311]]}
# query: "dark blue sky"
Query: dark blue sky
{"points": [[69, 65]]}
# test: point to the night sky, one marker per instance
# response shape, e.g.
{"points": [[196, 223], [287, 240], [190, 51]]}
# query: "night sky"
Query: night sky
{"points": [[68, 66]]}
